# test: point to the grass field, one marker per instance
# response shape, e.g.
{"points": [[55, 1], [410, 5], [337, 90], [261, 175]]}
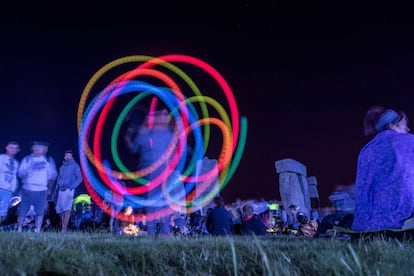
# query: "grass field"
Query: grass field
{"points": [[76, 253]]}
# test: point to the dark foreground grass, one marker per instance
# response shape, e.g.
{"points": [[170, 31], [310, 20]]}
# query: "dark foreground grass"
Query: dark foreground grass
{"points": [[105, 254]]}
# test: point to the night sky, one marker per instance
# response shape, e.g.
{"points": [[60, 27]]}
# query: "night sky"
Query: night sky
{"points": [[303, 75]]}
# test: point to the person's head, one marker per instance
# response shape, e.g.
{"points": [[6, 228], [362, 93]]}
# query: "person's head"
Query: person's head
{"points": [[40, 148], [68, 155], [158, 118], [136, 117], [248, 210], [293, 209], [12, 148], [128, 210], [301, 217], [218, 201], [378, 119], [402, 125]]}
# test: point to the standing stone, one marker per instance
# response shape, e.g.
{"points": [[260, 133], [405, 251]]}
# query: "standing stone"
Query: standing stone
{"points": [[313, 196], [204, 166], [313, 192], [343, 199], [293, 185]]}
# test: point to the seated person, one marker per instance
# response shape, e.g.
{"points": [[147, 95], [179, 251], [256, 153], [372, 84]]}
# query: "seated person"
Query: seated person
{"points": [[127, 223], [307, 227], [219, 221], [384, 189], [252, 224], [294, 223]]}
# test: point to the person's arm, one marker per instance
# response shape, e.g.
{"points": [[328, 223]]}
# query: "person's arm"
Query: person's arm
{"points": [[51, 175], [262, 226], [52, 171], [1, 168], [209, 225], [56, 186], [16, 178], [129, 139], [55, 191], [24, 168], [78, 177]]}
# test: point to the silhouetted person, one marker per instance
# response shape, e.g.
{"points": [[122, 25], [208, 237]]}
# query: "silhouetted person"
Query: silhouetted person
{"points": [[219, 221], [252, 224]]}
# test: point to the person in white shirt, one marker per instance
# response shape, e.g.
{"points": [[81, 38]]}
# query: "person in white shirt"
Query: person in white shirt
{"points": [[37, 171], [8, 176]]}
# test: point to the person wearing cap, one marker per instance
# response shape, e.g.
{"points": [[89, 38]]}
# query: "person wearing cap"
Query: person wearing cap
{"points": [[384, 185], [37, 171], [8, 176], [69, 178]]}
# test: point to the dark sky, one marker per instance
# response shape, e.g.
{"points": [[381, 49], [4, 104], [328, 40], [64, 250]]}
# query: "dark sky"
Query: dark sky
{"points": [[302, 74]]}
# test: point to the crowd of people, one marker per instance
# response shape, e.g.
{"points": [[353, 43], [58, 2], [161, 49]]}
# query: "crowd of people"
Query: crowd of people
{"points": [[384, 190], [40, 181]]}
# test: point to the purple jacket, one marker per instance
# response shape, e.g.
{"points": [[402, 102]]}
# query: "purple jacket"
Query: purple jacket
{"points": [[384, 185]]}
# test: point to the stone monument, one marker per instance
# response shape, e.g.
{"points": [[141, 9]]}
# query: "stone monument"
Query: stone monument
{"points": [[293, 185]]}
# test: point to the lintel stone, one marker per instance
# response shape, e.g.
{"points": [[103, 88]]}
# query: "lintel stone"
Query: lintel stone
{"points": [[290, 165]]}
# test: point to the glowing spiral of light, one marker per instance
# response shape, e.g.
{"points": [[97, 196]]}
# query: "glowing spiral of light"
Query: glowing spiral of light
{"points": [[105, 175]]}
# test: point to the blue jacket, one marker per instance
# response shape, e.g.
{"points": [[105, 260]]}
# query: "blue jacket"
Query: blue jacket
{"points": [[69, 176], [253, 225], [219, 222]]}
